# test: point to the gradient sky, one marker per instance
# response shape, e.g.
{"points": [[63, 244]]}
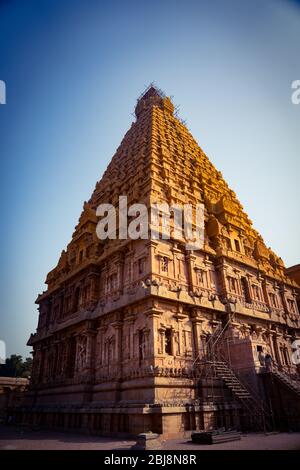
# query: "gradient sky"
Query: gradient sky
{"points": [[73, 71]]}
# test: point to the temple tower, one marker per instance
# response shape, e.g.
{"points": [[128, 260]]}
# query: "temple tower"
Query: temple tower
{"points": [[126, 326]]}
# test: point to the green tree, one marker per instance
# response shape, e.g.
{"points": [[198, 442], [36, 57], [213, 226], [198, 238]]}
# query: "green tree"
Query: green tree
{"points": [[15, 366], [27, 366]]}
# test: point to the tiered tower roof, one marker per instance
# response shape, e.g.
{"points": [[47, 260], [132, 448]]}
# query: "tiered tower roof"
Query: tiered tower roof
{"points": [[158, 160]]}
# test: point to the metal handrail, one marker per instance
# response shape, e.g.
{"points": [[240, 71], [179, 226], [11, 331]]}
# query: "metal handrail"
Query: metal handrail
{"points": [[286, 375], [254, 405], [254, 395], [214, 338]]}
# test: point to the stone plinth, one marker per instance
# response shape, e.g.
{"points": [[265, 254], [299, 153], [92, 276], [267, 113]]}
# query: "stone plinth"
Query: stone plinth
{"points": [[148, 441]]}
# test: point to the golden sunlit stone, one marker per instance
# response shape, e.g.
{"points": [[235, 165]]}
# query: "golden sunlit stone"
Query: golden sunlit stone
{"points": [[124, 324]]}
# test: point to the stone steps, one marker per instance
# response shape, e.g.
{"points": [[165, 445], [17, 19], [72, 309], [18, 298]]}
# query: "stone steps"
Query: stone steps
{"points": [[215, 437], [224, 372], [287, 382]]}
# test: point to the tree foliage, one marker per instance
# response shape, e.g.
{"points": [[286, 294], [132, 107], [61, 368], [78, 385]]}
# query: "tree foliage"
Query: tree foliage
{"points": [[15, 366]]}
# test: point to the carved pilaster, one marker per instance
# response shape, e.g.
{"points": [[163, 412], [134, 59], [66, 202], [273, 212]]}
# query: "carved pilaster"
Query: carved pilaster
{"points": [[197, 322], [190, 259], [118, 326]]}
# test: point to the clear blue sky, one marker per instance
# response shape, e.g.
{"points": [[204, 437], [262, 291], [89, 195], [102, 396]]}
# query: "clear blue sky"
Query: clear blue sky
{"points": [[73, 71]]}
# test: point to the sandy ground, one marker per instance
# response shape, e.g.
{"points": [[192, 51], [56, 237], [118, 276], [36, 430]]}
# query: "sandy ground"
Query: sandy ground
{"points": [[20, 439]]}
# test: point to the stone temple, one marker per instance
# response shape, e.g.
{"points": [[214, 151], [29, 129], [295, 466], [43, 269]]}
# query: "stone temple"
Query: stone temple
{"points": [[145, 335]]}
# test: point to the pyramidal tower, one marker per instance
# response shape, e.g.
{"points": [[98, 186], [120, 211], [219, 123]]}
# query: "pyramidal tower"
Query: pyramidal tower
{"points": [[139, 334]]}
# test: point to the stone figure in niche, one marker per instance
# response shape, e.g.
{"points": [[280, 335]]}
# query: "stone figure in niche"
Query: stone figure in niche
{"points": [[111, 349], [81, 353], [142, 345], [176, 344], [160, 342], [254, 336], [261, 357], [127, 346]]}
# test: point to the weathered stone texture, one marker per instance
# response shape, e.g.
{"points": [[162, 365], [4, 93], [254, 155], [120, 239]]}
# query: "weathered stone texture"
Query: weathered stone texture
{"points": [[123, 321]]}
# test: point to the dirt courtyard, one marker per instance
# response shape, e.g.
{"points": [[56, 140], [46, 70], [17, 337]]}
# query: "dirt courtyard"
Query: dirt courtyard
{"points": [[13, 438]]}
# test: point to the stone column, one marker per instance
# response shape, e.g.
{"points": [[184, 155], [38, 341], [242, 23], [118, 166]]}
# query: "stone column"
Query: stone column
{"points": [[180, 317], [76, 336], [99, 347], [104, 285], [121, 273], [61, 304], [175, 266], [180, 345], [94, 286], [102, 330], [154, 314], [90, 340], [282, 292], [105, 351], [161, 331], [118, 326], [175, 251], [276, 349], [135, 345], [197, 330], [222, 270], [147, 349], [130, 323], [270, 341], [208, 265], [190, 258], [265, 292]]}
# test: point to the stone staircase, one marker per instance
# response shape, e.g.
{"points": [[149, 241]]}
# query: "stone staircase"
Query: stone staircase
{"points": [[214, 365], [285, 379], [231, 381], [252, 404]]}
